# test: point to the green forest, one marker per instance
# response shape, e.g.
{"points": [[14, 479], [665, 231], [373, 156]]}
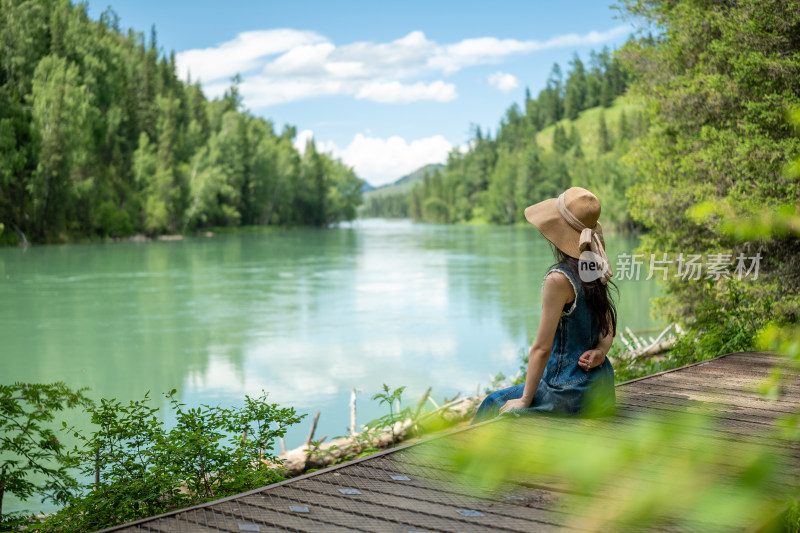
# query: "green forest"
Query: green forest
{"points": [[540, 149], [714, 174], [99, 138]]}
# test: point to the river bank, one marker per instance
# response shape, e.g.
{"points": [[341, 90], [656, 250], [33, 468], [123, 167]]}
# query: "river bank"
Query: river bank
{"points": [[7, 237]]}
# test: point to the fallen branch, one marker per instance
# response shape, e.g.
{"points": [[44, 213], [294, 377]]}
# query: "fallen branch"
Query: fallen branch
{"points": [[313, 429], [22, 238], [300, 459], [353, 411], [639, 349]]}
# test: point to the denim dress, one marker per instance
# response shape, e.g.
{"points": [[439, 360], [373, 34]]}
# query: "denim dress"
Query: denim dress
{"points": [[565, 388]]}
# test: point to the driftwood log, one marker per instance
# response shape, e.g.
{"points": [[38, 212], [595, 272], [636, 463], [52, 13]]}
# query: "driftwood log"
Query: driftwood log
{"points": [[640, 348], [309, 455]]}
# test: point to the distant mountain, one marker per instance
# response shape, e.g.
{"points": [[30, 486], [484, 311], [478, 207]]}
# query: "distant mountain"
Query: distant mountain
{"points": [[366, 187], [403, 184]]}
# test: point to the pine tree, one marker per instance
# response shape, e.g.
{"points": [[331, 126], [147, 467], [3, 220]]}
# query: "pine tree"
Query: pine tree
{"points": [[575, 98], [604, 143], [606, 92], [624, 132], [551, 97], [561, 142], [60, 110], [575, 141]]}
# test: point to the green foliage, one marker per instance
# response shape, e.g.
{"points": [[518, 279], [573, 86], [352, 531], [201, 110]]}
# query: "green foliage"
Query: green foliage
{"points": [[604, 143], [139, 468], [112, 220], [730, 321], [389, 397], [32, 459], [778, 336], [99, 137], [666, 472], [793, 517], [717, 82], [396, 205]]}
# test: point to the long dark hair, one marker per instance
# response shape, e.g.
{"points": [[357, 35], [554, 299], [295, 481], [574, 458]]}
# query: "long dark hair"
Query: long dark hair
{"points": [[597, 295]]}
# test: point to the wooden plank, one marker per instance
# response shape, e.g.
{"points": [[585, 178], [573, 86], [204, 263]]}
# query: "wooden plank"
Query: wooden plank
{"points": [[607, 497], [733, 431], [143, 529], [719, 407], [443, 494], [727, 418], [274, 513], [718, 378], [207, 519], [431, 504], [733, 396], [763, 358], [742, 371], [373, 516], [440, 479], [529, 486], [175, 524], [417, 517], [787, 458], [622, 422]]}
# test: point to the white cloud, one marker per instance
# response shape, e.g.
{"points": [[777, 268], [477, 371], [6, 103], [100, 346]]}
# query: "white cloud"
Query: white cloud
{"points": [[327, 147], [301, 140], [469, 52], [284, 65], [263, 91], [503, 81], [382, 161], [302, 60], [346, 69], [379, 160], [241, 54], [394, 92]]}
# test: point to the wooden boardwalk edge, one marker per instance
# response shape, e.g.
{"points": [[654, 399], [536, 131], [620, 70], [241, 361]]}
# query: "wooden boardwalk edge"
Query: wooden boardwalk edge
{"points": [[332, 469]]}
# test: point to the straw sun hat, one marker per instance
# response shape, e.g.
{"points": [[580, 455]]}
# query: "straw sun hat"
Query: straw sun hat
{"points": [[570, 223]]}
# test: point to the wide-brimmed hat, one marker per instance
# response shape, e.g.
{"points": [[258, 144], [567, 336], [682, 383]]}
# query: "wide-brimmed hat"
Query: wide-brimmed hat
{"points": [[570, 222]]}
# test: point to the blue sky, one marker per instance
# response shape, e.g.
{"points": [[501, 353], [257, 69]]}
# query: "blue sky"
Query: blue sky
{"points": [[386, 86]]}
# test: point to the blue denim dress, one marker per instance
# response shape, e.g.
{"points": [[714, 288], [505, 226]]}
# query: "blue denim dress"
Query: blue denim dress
{"points": [[565, 388]]}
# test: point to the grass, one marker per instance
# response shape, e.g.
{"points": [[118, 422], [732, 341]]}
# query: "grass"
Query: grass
{"points": [[587, 125]]}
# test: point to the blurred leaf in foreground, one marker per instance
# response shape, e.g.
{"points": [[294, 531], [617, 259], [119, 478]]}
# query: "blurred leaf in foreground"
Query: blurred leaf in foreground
{"points": [[647, 472]]}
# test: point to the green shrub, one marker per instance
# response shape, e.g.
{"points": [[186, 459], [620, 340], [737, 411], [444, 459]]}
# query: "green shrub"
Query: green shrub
{"points": [[29, 449], [139, 468]]}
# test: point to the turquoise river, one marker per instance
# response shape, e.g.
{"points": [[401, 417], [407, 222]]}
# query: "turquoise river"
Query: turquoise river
{"points": [[305, 315]]}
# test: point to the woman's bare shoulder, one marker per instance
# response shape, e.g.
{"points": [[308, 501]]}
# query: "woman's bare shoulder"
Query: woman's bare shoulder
{"points": [[559, 284], [559, 280]]}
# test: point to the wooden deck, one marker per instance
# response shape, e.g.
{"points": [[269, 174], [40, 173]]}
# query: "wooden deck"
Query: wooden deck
{"points": [[410, 489]]}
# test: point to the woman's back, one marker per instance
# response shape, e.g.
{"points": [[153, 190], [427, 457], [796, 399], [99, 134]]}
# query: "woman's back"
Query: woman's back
{"points": [[565, 387]]}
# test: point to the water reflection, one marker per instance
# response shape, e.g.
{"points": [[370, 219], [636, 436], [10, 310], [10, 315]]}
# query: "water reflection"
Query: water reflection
{"points": [[305, 315]]}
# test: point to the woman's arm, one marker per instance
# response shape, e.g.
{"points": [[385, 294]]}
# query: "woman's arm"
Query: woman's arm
{"points": [[557, 291], [592, 358]]}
